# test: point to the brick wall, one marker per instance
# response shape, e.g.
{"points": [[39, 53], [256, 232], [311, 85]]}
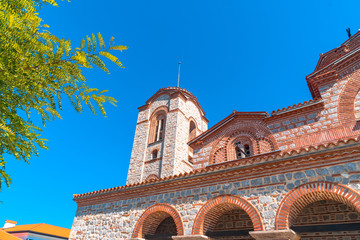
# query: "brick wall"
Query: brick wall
{"points": [[298, 126], [117, 218]]}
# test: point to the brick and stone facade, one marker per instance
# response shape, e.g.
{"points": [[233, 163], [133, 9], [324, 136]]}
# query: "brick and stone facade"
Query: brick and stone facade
{"points": [[180, 108], [291, 174]]}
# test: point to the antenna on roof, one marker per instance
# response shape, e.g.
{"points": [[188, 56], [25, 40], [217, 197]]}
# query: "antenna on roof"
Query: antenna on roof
{"points": [[348, 32], [179, 74]]}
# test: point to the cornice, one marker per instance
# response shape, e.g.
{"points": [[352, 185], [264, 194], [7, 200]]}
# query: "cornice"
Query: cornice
{"points": [[249, 168]]}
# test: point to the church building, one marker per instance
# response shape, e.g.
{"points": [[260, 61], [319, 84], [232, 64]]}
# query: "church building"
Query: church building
{"points": [[292, 174]]}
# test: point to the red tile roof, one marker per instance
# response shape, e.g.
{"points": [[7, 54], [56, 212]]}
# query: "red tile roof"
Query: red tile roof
{"points": [[296, 106]]}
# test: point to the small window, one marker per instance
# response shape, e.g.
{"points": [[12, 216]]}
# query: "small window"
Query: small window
{"points": [[154, 154], [159, 132], [238, 153], [192, 130], [247, 150], [242, 151]]}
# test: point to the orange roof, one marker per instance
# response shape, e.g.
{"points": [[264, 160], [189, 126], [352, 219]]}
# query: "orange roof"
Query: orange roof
{"points": [[41, 228], [7, 236], [11, 221]]}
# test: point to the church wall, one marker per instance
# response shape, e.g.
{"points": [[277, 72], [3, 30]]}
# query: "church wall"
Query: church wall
{"points": [[169, 145], [290, 129], [116, 219], [182, 163], [138, 153], [299, 128], [307, 152]]}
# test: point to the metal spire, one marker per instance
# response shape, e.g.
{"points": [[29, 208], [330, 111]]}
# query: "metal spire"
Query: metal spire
{"points": [[179, 75]]}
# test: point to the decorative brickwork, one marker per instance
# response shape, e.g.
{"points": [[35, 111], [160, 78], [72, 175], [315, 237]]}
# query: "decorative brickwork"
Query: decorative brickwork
{"points": [[214, 209], [325, 212], [347, 112], [357, 106], [153, 216], [306, 194], [293, 173]]}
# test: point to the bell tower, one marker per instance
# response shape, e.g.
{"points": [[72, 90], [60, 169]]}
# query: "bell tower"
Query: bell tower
{"points": [[165, 124]]}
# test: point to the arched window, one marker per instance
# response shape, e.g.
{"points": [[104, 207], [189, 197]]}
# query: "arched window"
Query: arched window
{"points": [[192, 130], [159, 134], [154, 154], [192, 135], [157, 126], [242, 150]]}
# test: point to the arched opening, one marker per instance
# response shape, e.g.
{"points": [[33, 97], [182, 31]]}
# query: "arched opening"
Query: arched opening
{"points": [[157, 125], [160, 128], [232, 223], [160, 221], [165, 230], [327, 219], [154, 154], [159, 225], [227, 217], [192, 130], [320, 209], [242, 150], [192, 135]]}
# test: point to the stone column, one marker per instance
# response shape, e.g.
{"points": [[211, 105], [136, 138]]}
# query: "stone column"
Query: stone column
{"points": [[287, 234]]}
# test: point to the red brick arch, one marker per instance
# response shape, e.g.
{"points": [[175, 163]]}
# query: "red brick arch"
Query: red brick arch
{"points": [[210, 212], [347, 99], [303, 195], [153, 216]]}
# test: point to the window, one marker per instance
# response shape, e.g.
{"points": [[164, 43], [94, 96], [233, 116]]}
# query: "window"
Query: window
{"points": [[242, 151], [154, 154], [192, 130], [247, 150], [159, 134], [238, 153], [157, 127]]}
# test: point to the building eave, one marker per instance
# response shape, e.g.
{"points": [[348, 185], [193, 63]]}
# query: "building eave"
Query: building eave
{"points": [[249, 165]]}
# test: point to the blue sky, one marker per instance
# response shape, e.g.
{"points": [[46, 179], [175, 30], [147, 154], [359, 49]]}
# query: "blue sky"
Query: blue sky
{"points": [[243, 55]]}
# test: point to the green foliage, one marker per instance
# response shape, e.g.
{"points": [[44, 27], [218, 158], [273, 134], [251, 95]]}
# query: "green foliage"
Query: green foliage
{"points": [[36, 70]]}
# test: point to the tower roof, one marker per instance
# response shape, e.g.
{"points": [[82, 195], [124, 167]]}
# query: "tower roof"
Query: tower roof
{"points": [[173, 91]]}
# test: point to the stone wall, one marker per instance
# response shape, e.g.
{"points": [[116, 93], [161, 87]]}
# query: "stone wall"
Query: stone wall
{"points": [[173, 150], [116, 220]]}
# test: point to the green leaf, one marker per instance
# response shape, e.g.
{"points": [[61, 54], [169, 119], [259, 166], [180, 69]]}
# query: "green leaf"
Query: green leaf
{"points": [[101, 41], [112, 58], [118, 47]]}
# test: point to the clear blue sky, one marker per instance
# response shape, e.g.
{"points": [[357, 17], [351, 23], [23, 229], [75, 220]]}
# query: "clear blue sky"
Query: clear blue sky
{"points": [[243, 55]]}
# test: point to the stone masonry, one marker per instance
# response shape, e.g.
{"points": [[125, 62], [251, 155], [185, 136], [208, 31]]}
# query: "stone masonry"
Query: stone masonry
{"points": [[300, 178], [181, 107]]}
